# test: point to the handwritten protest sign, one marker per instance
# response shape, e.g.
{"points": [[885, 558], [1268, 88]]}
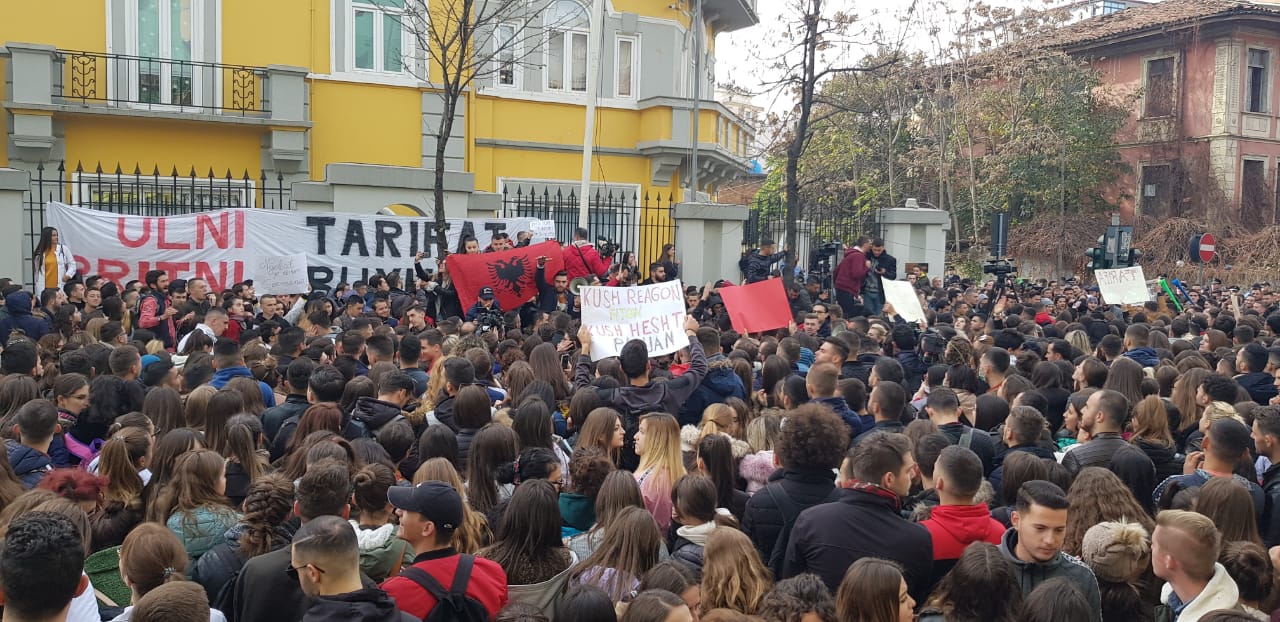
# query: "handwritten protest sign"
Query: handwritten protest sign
{"points": [[279, 274], [902, 295], [1122, 286], [653, 314], [544, 229]]}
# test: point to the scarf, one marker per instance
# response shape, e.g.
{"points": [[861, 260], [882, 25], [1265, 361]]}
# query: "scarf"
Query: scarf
{"points": [[875, 490]]}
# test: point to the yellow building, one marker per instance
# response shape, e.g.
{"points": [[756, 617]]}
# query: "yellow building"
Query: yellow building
{"points": [[157, 106]]}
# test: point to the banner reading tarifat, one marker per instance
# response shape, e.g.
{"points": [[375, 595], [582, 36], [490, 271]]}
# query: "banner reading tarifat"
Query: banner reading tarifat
{"points": [[654, 314], [218, 246]]}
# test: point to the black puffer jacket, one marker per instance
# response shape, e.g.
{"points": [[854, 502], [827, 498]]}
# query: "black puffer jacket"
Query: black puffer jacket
{"points": [[1165, 458], [763, 519], [375, 413]]}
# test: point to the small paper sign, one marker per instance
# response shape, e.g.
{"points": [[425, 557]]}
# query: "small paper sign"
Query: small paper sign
{"points": [[544, 229], [279, 274]]}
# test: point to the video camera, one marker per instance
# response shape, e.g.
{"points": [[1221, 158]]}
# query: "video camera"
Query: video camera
{"points": [[489, 319], [606, 247]]}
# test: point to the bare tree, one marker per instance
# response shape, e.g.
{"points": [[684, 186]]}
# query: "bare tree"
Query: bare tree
{"points": [[818, 32], [469, 43]]}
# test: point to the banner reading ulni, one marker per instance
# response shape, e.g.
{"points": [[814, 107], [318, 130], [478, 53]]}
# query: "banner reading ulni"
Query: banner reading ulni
{"points": [[653, 314], [216, 245]]}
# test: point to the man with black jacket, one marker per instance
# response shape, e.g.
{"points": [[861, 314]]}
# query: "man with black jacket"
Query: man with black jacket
{"points": [[866, 521], [325, 385], [884, 267], [755, 267], [1103, 418], [296, 380], [809, 449], [263, 591], [555, 296], [867, 353], [943, 408], [720, 383], [1266, 437], [642, 396]]}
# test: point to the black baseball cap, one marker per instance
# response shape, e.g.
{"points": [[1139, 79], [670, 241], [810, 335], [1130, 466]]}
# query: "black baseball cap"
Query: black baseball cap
{"points": [[437, 501], [486, 293]]}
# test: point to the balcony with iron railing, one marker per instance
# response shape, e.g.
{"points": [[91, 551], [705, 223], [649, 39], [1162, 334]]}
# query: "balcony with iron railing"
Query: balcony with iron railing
{"points": [[139, 83]]}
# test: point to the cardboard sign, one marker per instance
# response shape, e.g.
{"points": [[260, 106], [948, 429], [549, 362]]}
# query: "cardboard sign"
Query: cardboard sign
{"points": [[757, 307], [902, 295], [1122, 286], [653, 314], [218, 246], [279, 274]]}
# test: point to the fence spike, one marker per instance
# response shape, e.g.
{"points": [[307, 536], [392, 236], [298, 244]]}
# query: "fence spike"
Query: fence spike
{"points": [[646, 197], [192, 174], [79, 166], [118, 171], [155, 171], [211, 174], [40, 166], [280, 177], [246, 175], [228, 174], [137, 169], [98, 170]]}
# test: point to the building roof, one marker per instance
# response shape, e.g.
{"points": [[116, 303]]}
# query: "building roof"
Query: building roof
{"points": [[1161, 15]]}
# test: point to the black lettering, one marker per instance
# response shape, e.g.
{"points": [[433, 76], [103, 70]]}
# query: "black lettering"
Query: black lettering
{"points": [[468, 229], [413, 238], [320, 222], [355, 236], [319, 276], [385, 234], [494, 226]]}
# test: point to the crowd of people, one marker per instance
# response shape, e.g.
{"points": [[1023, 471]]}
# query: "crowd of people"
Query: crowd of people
{"points": [[376, 453]]}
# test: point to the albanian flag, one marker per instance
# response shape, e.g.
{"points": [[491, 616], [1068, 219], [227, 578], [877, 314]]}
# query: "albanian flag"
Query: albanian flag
{"points": [[509, 273]]}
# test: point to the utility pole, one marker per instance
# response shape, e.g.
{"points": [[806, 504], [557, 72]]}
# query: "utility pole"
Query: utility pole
{"points": [[594, 44], [697, 27]]}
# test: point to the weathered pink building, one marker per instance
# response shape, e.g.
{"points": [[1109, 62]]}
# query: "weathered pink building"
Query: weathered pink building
{"points": [[1204, 137]]}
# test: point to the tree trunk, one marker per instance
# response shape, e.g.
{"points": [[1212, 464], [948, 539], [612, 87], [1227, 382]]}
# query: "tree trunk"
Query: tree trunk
{"points": [[796, 148], [450, 98]]}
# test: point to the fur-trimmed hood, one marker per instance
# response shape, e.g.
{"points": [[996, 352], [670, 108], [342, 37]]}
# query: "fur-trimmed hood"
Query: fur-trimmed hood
{"points": [[690, 435], [756, 469]]}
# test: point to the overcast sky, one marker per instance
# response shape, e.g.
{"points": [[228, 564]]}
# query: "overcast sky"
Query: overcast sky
{"points": [[745, 58]]}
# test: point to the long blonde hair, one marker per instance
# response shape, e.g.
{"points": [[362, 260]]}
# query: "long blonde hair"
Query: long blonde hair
{"points": [[661, 447], [474, 533], [434, 384], [733, 576]]}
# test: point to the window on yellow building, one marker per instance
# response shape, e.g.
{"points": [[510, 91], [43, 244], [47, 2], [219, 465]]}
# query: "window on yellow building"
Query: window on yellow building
{"points": [[165, 37], [505, 53], [567, 25], [378, 35], [626, 57]]}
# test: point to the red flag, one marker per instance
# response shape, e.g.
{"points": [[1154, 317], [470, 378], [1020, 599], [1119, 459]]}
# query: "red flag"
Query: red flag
{"points": [[757, 307], [509, 273]]}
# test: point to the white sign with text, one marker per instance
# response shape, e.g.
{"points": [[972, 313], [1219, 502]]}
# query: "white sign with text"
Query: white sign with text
{"points": [[279, 274], [654, 314], [1123, 286]]}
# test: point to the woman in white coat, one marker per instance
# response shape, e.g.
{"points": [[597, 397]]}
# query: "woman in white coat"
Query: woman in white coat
{"points": [[52, 261]]}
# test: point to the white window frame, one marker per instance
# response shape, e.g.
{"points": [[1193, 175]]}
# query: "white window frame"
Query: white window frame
{"points": [[617, 65], [131, 43], [84, 183], [1264, 98], [566, 76], [517, 49], [379, 52]]}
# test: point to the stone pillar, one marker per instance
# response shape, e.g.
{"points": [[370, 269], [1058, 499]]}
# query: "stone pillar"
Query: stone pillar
{"points": [[33, 69], [14, 250], [709, 241], [916, 236], [287, 95]]}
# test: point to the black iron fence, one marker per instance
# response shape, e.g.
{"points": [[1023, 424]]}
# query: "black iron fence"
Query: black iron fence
{"points": [[153, 193], [821, 229], [158, 83], [636, 223]]}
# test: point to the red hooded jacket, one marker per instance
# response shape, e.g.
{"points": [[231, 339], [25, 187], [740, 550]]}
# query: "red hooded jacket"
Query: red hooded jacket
{"points": [[955, 527], [583, 260]]}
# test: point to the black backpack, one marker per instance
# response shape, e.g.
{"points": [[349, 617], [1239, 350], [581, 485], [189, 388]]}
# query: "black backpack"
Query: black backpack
{"points": [[454, 605]]}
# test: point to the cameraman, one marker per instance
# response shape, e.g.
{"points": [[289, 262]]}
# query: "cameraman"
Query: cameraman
{"points": [[485, 312], [581, 259]]}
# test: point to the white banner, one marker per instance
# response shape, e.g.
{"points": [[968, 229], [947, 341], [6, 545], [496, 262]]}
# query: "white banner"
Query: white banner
{"points": [[1123, 286], [653, 314], [217, 245]]}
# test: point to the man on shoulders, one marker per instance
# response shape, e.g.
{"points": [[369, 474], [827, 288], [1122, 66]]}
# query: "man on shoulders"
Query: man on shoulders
{"points": [[429, 514], [1034, 543], [581, 259], [884, 267], [756, 265]]}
